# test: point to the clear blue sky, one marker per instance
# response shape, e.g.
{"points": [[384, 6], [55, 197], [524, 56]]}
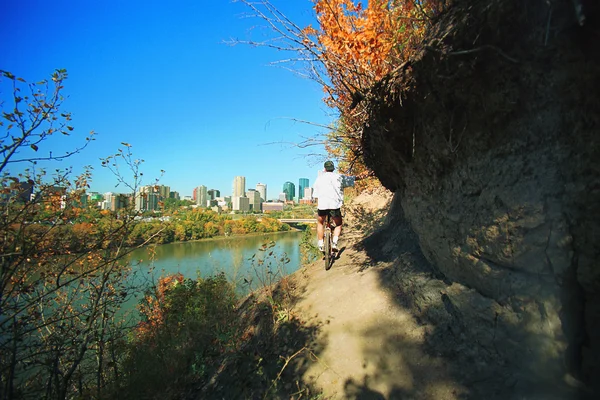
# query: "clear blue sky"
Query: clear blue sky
{"points": [[157, 74]]}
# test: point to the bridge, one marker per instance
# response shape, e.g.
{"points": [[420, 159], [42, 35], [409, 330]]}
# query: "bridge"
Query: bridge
{"points": [[295, 220], [298, 220]]}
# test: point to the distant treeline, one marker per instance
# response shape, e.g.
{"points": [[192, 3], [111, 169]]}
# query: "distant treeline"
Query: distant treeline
{"points": [[201, 224], [90, 230]]}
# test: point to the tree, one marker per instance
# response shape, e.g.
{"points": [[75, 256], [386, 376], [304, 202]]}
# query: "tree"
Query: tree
{"points": [[60, 297], [352, 48]]}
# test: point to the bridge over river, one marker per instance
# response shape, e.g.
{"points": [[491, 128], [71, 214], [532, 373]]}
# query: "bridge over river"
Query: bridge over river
{"points": [[298, 220], [295, 220]]}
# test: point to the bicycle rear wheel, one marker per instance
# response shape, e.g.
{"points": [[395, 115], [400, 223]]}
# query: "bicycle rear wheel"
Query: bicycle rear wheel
{"points": [[327, 249]]}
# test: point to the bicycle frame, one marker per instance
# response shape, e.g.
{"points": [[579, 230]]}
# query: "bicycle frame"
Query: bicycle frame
{"points": [[327, 243]]}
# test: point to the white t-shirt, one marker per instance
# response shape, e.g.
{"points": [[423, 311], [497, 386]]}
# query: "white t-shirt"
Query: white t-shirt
{"points": [[329, 189]]}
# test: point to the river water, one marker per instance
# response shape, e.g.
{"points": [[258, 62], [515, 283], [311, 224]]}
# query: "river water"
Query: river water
{"points": [[232, 256]]}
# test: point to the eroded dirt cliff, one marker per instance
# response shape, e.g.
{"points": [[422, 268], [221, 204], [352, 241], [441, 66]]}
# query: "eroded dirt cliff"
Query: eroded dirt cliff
{"points": [[490, 139]]}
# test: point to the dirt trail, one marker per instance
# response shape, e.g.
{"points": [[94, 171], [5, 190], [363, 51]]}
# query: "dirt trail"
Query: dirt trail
{"points": [[368, 345]]}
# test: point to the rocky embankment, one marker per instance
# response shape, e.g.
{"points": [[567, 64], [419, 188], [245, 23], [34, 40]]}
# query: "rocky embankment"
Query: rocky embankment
{"points": [[490, 139]]}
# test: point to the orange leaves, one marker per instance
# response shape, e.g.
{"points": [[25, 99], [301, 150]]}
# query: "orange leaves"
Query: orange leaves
{"points": [[152, 307], [358, 46], [361, 45]]}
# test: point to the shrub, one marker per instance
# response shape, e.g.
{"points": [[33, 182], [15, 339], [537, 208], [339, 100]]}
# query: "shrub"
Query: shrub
{"points": [[187, 326]]}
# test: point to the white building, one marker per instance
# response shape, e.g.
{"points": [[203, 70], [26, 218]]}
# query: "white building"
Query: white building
{"points": [[308, 191], [240, 203], [262, 189], [105, 205]]}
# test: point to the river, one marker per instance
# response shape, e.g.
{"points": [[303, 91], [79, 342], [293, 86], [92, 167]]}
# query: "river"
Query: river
{"points": [[232, 256]]}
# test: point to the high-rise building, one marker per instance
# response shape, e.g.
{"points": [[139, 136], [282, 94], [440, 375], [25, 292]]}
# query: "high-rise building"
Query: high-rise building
{"points": [[174, 195], [290, 191], [240, 203], [201, 195], [262, 189], [107, 201], [308, 191], [254, 198], [147, 199], [119, 201], [302, 184], [239, 186], [164, 191], [307, 198], [213, 194]]}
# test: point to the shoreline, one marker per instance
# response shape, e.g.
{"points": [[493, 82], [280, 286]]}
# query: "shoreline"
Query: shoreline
{"points": [[225, 237]]}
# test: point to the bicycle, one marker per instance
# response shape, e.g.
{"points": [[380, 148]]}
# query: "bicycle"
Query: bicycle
{"points": [[328, 243]]}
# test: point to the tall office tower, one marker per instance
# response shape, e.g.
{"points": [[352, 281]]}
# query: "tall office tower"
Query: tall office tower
{"points": [[213, 194], [152, 201], [174, 195], [262, 189], [164, 191], [147, 199], [254, 197], [119, 201], [302, 184], [239, 186], [290, 191], [201, 195]]}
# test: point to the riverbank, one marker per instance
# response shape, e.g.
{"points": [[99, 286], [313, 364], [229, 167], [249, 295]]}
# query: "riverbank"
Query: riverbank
{"points": [[235, 236]]}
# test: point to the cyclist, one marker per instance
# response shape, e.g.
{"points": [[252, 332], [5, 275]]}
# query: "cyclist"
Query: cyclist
{"points": [[329, 192]]}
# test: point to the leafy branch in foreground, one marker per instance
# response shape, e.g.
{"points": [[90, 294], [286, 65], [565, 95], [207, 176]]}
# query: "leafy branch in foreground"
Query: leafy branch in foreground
{"points": [[62, 281], [34, 116]]}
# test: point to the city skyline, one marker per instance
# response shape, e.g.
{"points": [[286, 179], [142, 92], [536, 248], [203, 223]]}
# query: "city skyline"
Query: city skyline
{"points": [[128, 82], [259, 186], [149, 197]]}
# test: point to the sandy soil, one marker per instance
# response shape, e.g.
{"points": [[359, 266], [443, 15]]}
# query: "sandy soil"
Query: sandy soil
{"points": [[369, 346]]}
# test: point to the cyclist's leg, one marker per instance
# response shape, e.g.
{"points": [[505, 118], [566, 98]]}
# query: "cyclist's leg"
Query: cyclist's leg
{"points": [[337, 219], [320, 229], [338, 226]]}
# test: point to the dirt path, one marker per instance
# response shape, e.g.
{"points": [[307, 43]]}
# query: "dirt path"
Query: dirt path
{"points": [[368, 346]]}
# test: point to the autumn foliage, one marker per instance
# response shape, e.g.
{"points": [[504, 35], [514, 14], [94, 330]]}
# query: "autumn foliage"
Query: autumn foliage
{"points": [[358, 46], [152, 308], [187, 326], [353, 46]]}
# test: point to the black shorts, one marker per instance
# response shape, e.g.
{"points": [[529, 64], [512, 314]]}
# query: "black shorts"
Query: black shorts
{"points": [[332, 212]]}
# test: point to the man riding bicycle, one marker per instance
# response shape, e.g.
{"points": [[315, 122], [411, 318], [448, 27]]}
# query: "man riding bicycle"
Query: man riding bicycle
{"points": [[329, 191]]}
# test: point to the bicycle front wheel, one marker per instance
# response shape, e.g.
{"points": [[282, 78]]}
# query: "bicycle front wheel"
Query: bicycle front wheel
{"points": [[327, 249]]}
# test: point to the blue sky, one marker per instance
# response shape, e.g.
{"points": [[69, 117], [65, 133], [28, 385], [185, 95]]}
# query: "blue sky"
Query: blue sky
{"points": [[158, 75]]}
